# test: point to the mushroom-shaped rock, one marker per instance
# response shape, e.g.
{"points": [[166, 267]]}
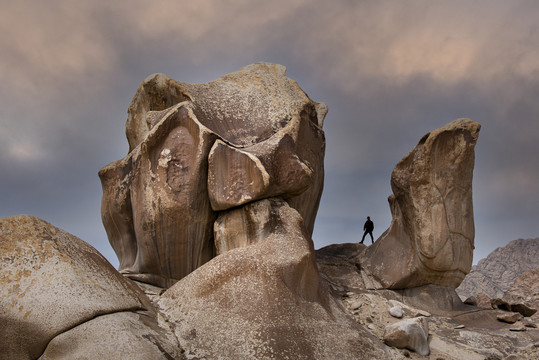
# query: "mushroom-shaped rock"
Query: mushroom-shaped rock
{"points": [[431, 236], [267, 141], [54, 285], [265, 300]]}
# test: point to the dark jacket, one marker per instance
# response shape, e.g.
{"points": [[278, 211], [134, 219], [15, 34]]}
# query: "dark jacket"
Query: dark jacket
{"points": [[369, 226]]}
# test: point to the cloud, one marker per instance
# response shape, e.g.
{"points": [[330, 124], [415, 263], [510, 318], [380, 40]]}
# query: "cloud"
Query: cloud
{"points": [[390, 71]]}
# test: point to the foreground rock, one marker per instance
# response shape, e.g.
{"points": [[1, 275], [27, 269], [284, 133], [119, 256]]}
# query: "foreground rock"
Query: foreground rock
{"points": [[60, 299], [431, 237], [199, 149], [265, 300], [410, 334]]}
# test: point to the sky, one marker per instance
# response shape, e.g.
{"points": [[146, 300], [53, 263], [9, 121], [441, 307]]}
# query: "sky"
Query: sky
{"points": [[390, 71]]}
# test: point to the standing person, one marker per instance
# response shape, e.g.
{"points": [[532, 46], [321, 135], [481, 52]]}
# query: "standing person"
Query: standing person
{"points": [[368, 227]]}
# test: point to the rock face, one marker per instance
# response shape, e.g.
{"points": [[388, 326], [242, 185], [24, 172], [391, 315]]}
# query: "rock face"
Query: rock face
{"points": [[265, 300], [199, 149], [59, 297], [431, 236], [495, 274]]}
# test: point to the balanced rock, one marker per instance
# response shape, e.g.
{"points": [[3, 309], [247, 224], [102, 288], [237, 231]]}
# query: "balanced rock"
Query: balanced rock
{"points": [[265, 300], [198, 149], [59, 298], [431, 236]]}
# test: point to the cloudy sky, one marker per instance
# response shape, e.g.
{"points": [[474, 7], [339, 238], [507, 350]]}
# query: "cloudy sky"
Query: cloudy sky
{"points": [[389, 71]]}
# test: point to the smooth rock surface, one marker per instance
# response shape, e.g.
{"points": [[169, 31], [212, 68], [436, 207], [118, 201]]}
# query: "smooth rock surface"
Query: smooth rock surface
{"points": [[52, 283], [265, 300], [155, 208], [431, 236], [396, 311]]}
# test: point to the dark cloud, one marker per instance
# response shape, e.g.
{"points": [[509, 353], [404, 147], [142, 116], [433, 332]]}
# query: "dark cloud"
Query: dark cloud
{"points": [[389, 71]]}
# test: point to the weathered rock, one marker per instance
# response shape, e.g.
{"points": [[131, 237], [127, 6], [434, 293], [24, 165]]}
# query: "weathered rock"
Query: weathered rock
{"points": [[265, 300], [52, 283], [510, 318], [155, 208], [267, 169], [481, 300], [411, 334], [159, 202], [525, 291], [500, 304], [337, 264], [396, 311], [434, 299], [523, 309], [431, 236], [529, 323], [123, 335], [518, 327], [495, 274], [156, 93]]}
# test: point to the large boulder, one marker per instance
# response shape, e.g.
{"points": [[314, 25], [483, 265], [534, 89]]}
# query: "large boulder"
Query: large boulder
{"points": [[59, 297], [198, 149], [431, 236], [265, 299], [410, 334]]}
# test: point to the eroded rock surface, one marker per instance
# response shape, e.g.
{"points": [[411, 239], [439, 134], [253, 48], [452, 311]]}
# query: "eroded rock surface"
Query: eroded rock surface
{"points": [[197, 149], [431, 236], [59, 297], [265, 300]]}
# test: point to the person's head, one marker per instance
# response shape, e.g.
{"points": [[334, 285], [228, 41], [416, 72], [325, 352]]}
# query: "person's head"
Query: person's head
{"points": [[368, 217]]}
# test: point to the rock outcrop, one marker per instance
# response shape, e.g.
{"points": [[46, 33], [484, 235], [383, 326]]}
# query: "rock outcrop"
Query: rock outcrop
{"points": [[431, 236], [495, 274], [60, 299], [199, 149], [265, 300]]}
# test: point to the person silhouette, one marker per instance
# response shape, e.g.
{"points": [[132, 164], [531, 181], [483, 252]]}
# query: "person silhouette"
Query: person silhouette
{"points": [[368, 227]]}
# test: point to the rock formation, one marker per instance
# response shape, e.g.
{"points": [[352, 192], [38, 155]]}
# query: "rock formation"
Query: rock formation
{"points": [[431, 236], [211, 214], [198, 149], [59, 299], [265, 300], [495, 274]]}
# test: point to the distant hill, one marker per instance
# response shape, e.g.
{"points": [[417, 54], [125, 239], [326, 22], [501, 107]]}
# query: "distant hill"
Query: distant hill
{"points": [[496, 273]]}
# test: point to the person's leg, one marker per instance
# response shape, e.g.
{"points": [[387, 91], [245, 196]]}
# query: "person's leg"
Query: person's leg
{"points": [[363, 238], [372, 239]]}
